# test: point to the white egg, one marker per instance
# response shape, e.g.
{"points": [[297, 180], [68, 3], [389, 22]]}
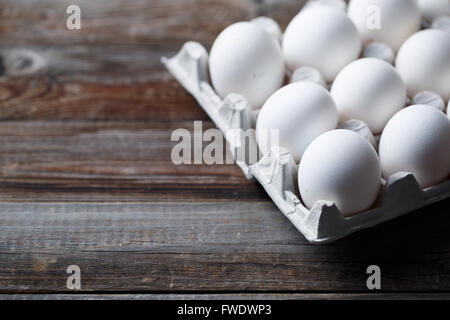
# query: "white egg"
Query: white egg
{"points": [[245, 59], [339, 4], [322, 37], [417, 140], [387, 21], [299, 112], [432, 9], [423, 62], [343, 167], [369, 90]]}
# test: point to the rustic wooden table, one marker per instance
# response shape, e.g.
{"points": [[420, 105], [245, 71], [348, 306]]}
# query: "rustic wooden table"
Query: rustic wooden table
{"points": [[86, 177]]}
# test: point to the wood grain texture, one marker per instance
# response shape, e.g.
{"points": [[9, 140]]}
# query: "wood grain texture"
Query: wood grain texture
{"points": [[211, 247], [109, 161], [110, 69], [242, 296], [86, 176], [138, 21]]}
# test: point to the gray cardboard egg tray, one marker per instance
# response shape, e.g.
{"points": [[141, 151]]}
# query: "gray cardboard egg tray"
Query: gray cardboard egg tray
{"points": [[277, 171]]}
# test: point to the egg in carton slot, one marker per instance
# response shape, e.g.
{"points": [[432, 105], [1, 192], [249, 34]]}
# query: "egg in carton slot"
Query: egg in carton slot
{"points": [[276, 171]]}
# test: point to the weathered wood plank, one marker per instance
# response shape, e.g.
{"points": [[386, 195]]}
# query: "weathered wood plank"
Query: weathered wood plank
{"points": [[211, 247], [91, 84], [130, 22], [47, 99], [110, 69], [109, 161], [242, 296]]}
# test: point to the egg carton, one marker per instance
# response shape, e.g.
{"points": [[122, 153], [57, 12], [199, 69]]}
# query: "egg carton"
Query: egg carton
{"points": [[277, 170]]}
